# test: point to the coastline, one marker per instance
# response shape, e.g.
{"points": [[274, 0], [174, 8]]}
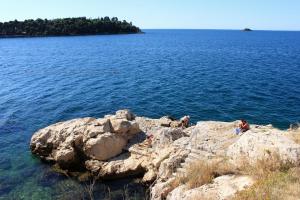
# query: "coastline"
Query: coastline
{"points": [[76, 35], [162, 152]]}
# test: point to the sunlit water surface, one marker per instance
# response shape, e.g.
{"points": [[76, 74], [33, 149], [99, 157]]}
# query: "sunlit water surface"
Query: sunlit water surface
{"points": [[210, 75]]}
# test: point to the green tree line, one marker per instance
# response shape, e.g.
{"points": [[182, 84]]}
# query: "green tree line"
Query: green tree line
{"points": [[66, 26]]}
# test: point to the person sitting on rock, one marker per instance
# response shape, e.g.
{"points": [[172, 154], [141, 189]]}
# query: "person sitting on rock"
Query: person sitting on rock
{"points": [[243, 127], [185, 121]]}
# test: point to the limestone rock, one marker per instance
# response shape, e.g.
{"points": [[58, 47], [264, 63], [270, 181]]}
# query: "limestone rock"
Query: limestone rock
{"points": [[161, 189], [149, 176], [175, 124], [75, 140], [167, 136], [104, 146], [125, 114], [262, 142], [100, 126], [150, 126], [65, 157], [147, 124], [119, 167], [125, 127], [222, 188], [94, 166], [168, 166], [117, 146], [165, 121], [163, 154], [44, 141]]}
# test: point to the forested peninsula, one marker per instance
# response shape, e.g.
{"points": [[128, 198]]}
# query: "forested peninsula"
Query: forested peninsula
{"points": [[66, 27]]}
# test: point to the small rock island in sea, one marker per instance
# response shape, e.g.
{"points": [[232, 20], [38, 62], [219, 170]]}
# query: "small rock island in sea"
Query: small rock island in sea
{"points": [[66, 27], [206, 160], [247, 29]]}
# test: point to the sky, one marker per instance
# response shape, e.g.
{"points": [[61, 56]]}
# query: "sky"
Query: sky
{"points": [[166, 14]]}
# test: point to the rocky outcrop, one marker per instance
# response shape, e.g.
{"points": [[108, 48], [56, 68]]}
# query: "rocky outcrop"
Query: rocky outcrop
{"points": [[262, 142], [160, 150], [72, 142]]}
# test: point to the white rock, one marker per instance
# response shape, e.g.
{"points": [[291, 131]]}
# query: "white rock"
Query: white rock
{"points": [[167, 136], [165, 121], [223, 187], [65, 157], [64, 142], [44, 141], [125, 127], [125, 114], [119, 167], [104, 146], [149, 176], [262, 142]]}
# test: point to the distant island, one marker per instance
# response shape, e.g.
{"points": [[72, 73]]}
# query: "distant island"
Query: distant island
{"points": [[247, 29], [66, 27]]}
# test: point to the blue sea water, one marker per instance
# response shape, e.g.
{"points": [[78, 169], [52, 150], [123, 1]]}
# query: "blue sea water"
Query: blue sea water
{"points": [[207, 74]]}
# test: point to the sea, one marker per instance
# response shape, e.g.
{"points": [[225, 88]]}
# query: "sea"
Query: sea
{"points": [[222, 75]]}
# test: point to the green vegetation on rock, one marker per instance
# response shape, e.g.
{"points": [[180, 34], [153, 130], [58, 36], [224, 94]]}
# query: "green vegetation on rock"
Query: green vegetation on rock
{"points": [[66, 27]]}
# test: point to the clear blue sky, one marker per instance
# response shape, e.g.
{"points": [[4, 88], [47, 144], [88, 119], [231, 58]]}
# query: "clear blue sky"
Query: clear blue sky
{"points": [[195, 14]]}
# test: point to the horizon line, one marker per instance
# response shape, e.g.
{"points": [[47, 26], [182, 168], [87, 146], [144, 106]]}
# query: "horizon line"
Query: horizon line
{"points": [[220, 29]]}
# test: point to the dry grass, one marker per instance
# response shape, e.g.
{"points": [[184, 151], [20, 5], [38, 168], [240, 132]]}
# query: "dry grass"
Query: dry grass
{"points": [[275, 179], [295, 135], [294, 132], [263, 167], [200, 173], [275, 186], [203, 172]]}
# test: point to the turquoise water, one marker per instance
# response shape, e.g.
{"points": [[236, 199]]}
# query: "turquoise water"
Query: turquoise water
{"points": [[210, 75]]}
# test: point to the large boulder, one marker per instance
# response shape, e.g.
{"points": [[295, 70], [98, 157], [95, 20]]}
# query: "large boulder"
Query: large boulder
{"points": [[75, 141], [121, 166], [104, 146], [262, 142], [57, 136]]}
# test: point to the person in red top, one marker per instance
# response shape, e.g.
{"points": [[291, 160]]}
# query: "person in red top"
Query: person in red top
{"points": [[243, 127]]}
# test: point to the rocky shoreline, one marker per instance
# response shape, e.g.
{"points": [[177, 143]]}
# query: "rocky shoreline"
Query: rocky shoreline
{"points": [[160, 151]]}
